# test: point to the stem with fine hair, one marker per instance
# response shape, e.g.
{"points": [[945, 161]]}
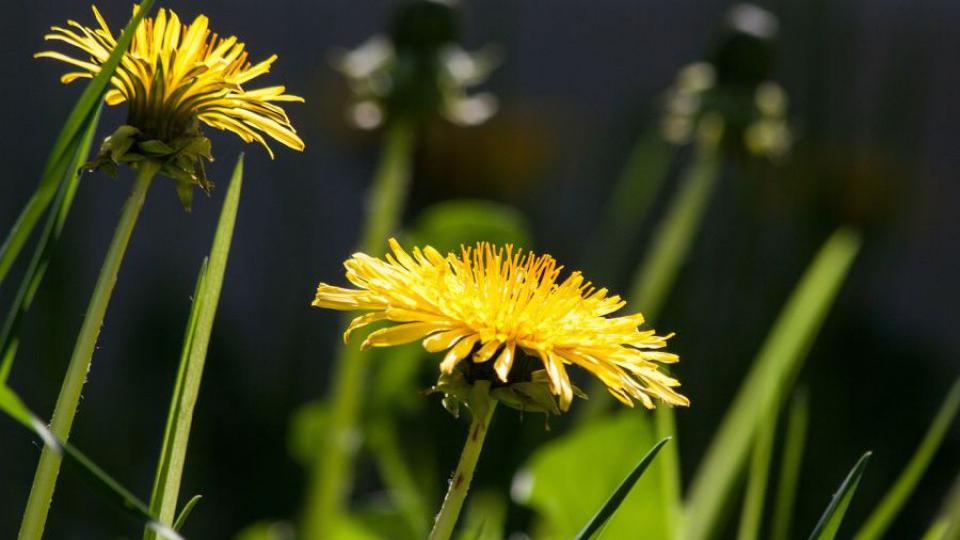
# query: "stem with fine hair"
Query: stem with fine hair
{"points": [[482, 407], [332, 470], [45, 479]]}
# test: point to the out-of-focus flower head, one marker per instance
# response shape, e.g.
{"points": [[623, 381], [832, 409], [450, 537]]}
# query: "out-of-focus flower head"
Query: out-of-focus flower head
{"points": [[733, 86], [420, 70], [174, 77], [504, 317]]}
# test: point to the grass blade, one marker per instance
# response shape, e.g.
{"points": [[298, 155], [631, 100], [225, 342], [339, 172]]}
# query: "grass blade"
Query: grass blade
{"points": [[48, 239], [887, 510], [751, 516], [772, 373], [11, 404], [793, 445], [166, 488], [831, 519], [185, 513], [613, 503], [82, 114]]}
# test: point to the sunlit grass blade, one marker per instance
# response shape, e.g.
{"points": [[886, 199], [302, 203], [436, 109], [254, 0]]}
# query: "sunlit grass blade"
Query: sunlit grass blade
{"points": [[613, 503], [751, 516], [57, 162], [832, 517], [946, 526], [185, 513], [13, 406], [166, 487], [56, 219], [881, 518], [793, 445], [768, 381]]}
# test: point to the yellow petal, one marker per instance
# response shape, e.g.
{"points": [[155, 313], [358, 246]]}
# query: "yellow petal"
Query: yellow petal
{"points": [[400, 335], [458, 353]]}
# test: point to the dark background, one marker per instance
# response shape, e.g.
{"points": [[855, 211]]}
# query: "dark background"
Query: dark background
{"points": [[875, 96]]}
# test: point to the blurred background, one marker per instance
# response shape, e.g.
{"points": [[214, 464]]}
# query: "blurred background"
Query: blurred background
{"points": [[874, 103]]}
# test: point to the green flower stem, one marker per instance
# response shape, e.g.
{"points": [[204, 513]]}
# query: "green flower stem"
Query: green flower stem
{"points": [[45, 479], [482, 408], [333, 468]]}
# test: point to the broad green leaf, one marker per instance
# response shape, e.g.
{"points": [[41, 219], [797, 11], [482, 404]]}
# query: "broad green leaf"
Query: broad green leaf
{"points": [[448, 225], [751, 515], [793, 445], [887, 510], [616, 499], [832, 517], [56, 218], [166, 489], [80, 117], [770, 378], [567, 479]]}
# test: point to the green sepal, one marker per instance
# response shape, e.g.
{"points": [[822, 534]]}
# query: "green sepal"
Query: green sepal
{"points": [[180, 158], [529, 396]]}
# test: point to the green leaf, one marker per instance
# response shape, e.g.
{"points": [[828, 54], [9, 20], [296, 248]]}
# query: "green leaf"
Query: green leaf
{"points": [[832, 517], [185, 513], [80, 117], [56, 218], [887, 510], [267, 530], [751, 515], [616, 499], [11, 404], [793, 445], [568, 478], [770, 378], [449, 224], [166, 488]]}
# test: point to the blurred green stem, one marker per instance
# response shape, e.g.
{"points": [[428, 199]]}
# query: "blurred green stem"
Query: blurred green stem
{"points": [[481, 408], [398, 476], [751, 515], [633, 195], [45, 479], [333, 468], [793, 445]]}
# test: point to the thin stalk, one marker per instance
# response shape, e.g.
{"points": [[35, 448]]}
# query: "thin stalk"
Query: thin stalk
{"points": [[751, 516], [460, 482], [332, 472], [793, 445], [398, 476], [45, 479]]}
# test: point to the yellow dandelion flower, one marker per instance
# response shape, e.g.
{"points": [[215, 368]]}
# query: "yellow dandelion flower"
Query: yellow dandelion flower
{"points": [[176, 73], [496, 305]]}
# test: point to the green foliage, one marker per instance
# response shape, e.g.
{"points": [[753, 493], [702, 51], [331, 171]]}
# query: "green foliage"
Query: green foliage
{"points": [[56, 219], [13, 406], [793, 445], [68, 140], [769, 380], [566, 479], [616, 499], [888, 509], [830, 521], [166, 487], [751, 516], [449, 224]]}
